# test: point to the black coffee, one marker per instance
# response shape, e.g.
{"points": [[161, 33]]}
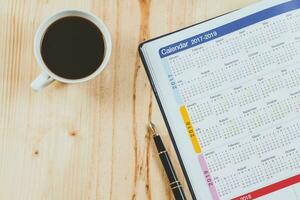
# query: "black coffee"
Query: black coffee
{"points": [[73, 47]]}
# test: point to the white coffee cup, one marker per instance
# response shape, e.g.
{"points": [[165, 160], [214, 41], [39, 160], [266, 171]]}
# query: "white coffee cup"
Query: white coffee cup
{"points": [[47, 76]]}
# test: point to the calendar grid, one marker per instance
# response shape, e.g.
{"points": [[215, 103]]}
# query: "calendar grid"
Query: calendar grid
{"points": [[239, 99], [244, 82], [241, 138]]}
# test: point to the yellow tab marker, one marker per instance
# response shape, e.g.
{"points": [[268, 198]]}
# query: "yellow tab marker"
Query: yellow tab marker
{"points": [[190, 129]]}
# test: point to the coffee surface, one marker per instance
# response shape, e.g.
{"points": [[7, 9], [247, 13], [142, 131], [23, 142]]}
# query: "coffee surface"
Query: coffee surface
{"points": [[73, 47]]}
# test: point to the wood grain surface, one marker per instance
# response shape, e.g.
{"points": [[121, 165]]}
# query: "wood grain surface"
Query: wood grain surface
{"points": [[90, 140]]}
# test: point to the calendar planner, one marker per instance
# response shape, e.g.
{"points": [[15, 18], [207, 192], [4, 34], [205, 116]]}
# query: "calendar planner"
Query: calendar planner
{"points": [[229, 92]]}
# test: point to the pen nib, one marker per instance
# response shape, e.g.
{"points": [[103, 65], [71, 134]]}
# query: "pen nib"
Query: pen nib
{"points": [[153, 128]]}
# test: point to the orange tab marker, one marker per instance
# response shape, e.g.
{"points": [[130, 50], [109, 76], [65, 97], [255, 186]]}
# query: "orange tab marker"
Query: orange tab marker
{"points": [[190, 129]]}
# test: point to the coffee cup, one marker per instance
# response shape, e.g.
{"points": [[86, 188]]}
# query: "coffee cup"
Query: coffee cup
{"points": [[71, 46]]}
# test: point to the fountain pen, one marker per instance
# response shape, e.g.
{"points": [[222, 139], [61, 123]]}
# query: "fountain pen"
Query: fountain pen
{"points": [[166, 162]]}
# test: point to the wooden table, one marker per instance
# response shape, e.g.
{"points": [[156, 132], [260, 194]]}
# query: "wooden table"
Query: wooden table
{"points": [[90, 140]]}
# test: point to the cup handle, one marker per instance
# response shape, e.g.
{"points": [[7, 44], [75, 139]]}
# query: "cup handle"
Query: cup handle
{"points": [[41, 81]]}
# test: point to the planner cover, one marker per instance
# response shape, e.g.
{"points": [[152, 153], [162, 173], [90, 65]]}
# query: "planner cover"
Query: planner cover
{"points": [[229, 92]]}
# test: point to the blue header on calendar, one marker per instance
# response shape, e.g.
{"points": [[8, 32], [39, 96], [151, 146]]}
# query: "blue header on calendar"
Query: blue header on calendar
{"points": [[229, 28]]}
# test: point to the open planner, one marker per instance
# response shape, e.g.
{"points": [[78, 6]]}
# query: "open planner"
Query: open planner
{"points": [[229, 92]]}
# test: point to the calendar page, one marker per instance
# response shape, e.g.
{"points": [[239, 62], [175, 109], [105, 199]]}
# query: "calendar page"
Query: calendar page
{"points": [[230, 92]]}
